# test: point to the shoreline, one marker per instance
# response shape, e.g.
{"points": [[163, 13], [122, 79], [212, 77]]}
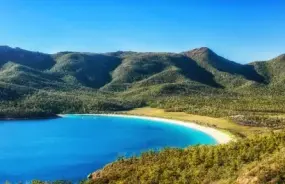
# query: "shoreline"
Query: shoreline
{"points": [[30, 118], [218, 135]]}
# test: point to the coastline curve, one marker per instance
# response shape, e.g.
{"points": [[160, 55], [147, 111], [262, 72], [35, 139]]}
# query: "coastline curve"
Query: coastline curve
{"points": [[219, 136]]}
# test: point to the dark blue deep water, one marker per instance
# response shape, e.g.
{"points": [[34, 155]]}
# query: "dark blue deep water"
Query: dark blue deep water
{"points": [[74, 146]]}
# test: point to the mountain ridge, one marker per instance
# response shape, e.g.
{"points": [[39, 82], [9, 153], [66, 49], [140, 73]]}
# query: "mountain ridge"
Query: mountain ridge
{"points": [[126, 70], [118, 52]]}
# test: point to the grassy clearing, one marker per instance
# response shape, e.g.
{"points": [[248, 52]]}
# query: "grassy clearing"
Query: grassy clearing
{"points": [[220, 123]]}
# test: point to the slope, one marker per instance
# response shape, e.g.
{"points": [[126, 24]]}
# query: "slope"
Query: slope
{"points": [[16, 74], [148, 69], [85, 69], [272, 70], [31, 59], [226, 72]]}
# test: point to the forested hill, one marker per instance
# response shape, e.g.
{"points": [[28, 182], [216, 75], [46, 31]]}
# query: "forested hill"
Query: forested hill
{"points": [[121, 71], [38, 84]]}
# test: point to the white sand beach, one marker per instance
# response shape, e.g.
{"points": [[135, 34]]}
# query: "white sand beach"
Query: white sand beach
{"points": [[219, 136]]}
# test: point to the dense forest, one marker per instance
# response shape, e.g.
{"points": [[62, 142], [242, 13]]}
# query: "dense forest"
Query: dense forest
{"points": [[39, 85]]}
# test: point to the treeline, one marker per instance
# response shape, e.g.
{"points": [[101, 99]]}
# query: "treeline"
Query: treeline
{"points": [[271, 121], [250, 110], [221, 105], [50, 103]]}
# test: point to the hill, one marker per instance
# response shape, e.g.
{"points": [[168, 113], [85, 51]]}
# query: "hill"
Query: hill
{"points": [[148, 69], [121, 71], [173, 81], [226, 72], [17, 74], [31, 59], [89, 70], [272, 70]]}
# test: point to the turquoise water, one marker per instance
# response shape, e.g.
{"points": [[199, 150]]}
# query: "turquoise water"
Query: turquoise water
{"points": [[74, 146]]}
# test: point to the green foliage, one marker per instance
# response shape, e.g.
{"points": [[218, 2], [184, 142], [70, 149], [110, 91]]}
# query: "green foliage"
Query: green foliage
{"points": [[269, 170], [38, 182], [50, 103], [200, 164], [222, 105], [273, 71], [90, 70], [27, 58], [273, 121], [12, 73], [122, 71], [51, 182], [226, 72]]}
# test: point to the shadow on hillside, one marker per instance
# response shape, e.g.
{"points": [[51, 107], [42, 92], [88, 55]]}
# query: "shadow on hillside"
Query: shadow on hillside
{"points": [[31, 59], [250, 73], [91, 70], [190, 69], [224, 65]]}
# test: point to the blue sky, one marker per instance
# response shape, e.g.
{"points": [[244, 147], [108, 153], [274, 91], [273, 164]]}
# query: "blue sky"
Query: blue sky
{"points": [[241, 30]]}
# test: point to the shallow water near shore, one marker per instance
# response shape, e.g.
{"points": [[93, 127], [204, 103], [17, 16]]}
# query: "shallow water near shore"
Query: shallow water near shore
{"points": [[73, 146]]}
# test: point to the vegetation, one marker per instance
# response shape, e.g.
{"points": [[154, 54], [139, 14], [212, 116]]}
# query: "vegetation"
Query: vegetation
{"points": [[52, 182], [259, 159], [197, 82], [196, 85], [50, 103], [237, 162], [222, 123]]}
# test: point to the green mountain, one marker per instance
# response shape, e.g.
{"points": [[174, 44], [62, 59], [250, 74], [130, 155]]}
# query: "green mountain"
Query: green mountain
{"points": [[174, 81], [148, 69], [18, 74], [272, 70], [226, 72], [34, 60], [86, 69], [127, 71]]}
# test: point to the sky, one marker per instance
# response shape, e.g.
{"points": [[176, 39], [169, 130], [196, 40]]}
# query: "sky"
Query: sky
{"points": [[240, 30]]}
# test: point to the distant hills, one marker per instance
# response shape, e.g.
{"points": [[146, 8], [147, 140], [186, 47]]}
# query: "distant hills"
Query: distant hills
{"points": [[127, 71]]}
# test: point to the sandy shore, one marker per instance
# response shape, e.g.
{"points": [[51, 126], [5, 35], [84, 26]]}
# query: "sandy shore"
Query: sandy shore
{"points": [[219, 136]]}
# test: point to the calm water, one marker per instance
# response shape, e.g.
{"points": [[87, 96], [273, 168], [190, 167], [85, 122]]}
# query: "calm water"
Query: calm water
{"points": [[74, 146]]}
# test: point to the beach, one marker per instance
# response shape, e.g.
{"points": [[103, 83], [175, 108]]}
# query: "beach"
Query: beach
{"points": [[218, 135]]}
